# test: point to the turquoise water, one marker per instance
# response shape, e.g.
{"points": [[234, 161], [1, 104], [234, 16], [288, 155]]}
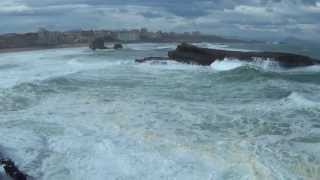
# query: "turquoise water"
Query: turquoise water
{"points": [[75, 114]]}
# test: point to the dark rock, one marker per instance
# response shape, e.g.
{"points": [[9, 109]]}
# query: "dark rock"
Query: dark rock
{"points": [[118, 46], [190, 54], [12, 170], [142, 60], [97, 43]]}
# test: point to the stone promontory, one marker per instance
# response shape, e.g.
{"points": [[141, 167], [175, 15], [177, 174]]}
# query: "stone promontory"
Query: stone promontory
{"points": [[98, 43], [187, 53]]}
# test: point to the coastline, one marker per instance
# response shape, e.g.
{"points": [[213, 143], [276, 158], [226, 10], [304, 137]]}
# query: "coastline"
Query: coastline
{"points": [[13, 50], [61, 46]]}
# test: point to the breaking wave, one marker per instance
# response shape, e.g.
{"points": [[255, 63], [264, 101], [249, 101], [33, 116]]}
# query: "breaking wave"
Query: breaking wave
{"points": [[227, 64], [300, 100], [258, 63]]}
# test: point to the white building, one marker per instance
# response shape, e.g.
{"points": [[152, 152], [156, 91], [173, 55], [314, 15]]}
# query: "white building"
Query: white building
{"points": [[128, 36], [46, 37]]}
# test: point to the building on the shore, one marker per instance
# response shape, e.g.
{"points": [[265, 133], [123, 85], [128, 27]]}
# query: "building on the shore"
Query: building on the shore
{"points": [[133, 35], [70, 37], [147, 35], [46, 37], [196, 33]]}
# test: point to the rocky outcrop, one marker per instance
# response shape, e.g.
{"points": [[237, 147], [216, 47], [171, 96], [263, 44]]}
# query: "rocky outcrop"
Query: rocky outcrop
{"points": [[12, 170], [97, 43], [146, 59], [190, 54], [117, 46]]}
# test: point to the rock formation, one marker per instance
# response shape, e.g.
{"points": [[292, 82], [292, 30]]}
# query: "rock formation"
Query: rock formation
{"points": [[98, 43], [142, 60], [12, 170], [190, 54], [117, 46]]}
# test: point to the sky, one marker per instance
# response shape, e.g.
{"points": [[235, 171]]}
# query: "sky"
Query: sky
{"points": [[253, 19]]}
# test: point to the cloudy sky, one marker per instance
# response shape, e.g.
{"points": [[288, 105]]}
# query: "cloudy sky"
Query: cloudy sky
{"points": [[241, 18]]}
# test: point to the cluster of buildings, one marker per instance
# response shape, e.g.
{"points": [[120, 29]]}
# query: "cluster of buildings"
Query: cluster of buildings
{"points": [[45, 37], [85, 36]]}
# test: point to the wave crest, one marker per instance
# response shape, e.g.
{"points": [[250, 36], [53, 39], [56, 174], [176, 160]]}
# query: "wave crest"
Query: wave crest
{"points": [[301, 100], [227, 64], [258, 63]]}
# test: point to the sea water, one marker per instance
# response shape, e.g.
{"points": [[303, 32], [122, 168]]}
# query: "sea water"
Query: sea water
{"points": [[75, 114]]}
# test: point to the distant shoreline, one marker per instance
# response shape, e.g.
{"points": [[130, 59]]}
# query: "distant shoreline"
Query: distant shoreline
{"points": [[12, 50]]}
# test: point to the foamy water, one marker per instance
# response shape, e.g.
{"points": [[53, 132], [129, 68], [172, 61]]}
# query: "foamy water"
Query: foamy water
{"points": [[74, 114], [258, 63]]}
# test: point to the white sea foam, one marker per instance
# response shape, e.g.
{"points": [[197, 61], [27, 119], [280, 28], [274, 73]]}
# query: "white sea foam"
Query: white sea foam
{"points": [[40, 65], [230, 64], [227, 64], [266, 64], [302, 101], [86, 140]]}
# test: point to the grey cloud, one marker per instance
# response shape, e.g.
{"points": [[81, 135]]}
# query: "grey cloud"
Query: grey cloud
{"points": [[151, 14]]}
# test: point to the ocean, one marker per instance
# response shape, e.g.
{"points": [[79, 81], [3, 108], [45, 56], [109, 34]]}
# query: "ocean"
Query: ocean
{"points": [[76, 114]]}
